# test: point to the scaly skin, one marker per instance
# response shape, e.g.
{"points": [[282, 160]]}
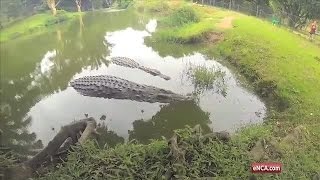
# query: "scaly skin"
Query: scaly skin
{"points": [[112, 87], [127, 62]]}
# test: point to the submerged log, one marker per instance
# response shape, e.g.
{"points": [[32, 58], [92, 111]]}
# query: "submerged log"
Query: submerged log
{"points": [[66, 137]]}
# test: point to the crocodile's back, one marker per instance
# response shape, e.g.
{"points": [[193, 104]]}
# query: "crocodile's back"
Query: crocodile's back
{"points": [[127, 62], [112, 87]]}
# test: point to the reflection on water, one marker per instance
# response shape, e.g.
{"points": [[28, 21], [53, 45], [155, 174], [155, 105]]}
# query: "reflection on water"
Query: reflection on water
{"points": [[35, 83], [46, 63], [15, 134], [151, 26], [107, 138], [170, 117]]}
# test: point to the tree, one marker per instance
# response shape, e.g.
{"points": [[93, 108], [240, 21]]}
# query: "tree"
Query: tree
{"points": [[297, 12], [95, 4], [78, 5], [259, 4], [52, 5]]}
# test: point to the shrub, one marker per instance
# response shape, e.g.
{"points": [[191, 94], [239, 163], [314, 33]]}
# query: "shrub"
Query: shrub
{"points": [[182, 16], [123, 4], [158, 6], [207, 78]]}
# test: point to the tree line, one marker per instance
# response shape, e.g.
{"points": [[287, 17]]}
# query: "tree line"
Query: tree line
{"points": [[14, 9], [295, 12]]}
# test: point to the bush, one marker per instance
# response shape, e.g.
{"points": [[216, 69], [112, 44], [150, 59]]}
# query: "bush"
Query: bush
{"points": [[191, 33], [153, 6], [182, 16], [207, 78], [158, 6], [123, 4]]}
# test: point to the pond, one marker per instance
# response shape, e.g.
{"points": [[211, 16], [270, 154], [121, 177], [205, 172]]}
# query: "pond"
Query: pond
{"points": [[37, 99]]}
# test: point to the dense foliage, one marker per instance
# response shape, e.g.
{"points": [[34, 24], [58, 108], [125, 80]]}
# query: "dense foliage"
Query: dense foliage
{"points": [[183, 16], [295, 13], [193, 155]]}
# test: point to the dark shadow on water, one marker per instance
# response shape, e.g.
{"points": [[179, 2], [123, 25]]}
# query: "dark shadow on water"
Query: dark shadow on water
{"points": [[107, 138], [165, 49], [173, 116]]}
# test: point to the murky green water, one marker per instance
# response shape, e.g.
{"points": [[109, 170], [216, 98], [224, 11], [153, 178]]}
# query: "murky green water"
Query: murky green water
{"points": [[36, 99]]}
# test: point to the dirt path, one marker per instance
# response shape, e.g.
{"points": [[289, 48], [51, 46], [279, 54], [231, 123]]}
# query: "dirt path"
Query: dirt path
{"points": [[226, 23]]}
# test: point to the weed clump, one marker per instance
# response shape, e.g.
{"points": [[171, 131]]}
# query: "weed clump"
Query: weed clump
{"points": [[207, 79], [157, 6], [183, 26], [182, 16]]}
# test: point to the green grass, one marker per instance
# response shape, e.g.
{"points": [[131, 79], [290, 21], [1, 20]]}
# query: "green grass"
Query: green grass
{"points": [[153, 6], [182, 16], [284, 70], [33, 24], [276, 55], [183, 26], [205, 157], [187, 24], [207, 79], [189, 33], [123, 4]]}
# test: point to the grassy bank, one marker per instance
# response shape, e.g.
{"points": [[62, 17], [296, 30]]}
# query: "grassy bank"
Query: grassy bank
{"points": [[284, 69], [34, 24]]}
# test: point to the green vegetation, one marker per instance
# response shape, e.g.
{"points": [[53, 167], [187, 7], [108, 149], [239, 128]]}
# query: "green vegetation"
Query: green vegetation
{"points": [[182, 16], [194, 156], [155, 6], [34, 24], [269, 54], [183, 26], [190, 33], [205, 78], [123, 4], [284, 70]]}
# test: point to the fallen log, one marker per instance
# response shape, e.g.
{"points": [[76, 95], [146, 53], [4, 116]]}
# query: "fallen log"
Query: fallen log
{"points": [[67, 136]]}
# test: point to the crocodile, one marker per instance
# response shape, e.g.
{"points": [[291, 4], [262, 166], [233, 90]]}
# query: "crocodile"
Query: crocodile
{"points": [[111, 87], [130, 63]]}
